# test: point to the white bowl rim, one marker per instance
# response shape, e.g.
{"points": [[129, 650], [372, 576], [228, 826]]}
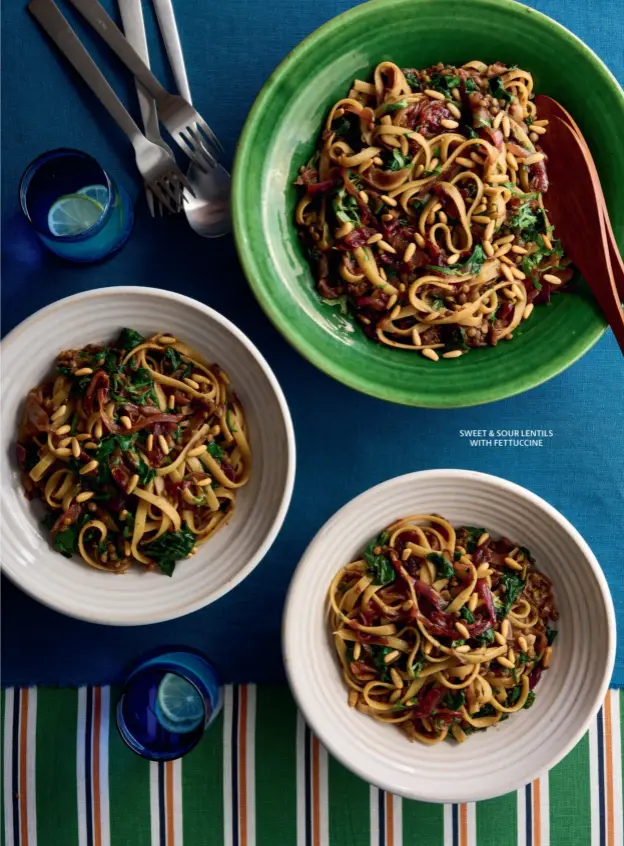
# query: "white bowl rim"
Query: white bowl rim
{"points": [[66, 607], [289, 621]]}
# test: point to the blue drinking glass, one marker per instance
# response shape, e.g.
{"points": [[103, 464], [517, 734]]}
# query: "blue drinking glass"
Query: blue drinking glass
{"points": [[77, 210], [168, 702]]}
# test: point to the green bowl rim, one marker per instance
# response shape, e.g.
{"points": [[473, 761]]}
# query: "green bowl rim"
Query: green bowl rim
{"points": [[326, 364]]}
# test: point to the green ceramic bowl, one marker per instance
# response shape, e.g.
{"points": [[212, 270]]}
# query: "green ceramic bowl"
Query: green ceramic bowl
{"points": [[281, 132]]}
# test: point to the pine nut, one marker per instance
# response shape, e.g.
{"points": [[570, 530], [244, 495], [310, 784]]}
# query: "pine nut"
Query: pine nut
{"points": [[357, 650], [353, 698], [499, 638], [84, 371], [483, 570], [449, 124], [489, 230], [60, 411], [506, 126], [149, 442], [395, 695], [64, 443], [430, 354], [85, 496], [171, 400], [547, 242], [63, 430], [480, 218], [453, 110], [505, 629], [455, 94], [547, 657], [193, 453], [123, 514], [463, 648], [391, 656], [435, 95], [90, 445], [396, 678], [488, 248], [464, 162], [75, 448], [88, 468], [509, 562], [63, 451], [409, 252], [388, 200], [387, 217], [383, 245], [419, 240], [127, 548], [162, 443], [511, 656], [134, 481], [452, 354], [473, 601], [507, 272], [125, 421], [554, 280], [374, 238], [483, 538], [519, 250], [408, 605], [522, 643], [528, 311], [543, 122], [534, 137], [191, 383], [166, 339], [461, 628], [364, 197], [534, 159], [497, 120], [97, 429], [505, 662], [202, 483]]}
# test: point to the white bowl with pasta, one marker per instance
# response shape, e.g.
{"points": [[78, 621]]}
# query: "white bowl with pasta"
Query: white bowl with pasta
{"points": [[505, 756], [138, 596]]}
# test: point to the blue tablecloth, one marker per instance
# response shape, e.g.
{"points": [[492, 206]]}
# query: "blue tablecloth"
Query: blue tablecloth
{"points": [[231, 48]]}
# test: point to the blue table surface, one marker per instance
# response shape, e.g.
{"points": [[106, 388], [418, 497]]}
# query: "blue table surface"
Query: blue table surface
{"points": [[231, 48]]}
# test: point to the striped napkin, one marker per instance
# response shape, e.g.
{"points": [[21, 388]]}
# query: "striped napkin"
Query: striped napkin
{"points": [[260, 777]]}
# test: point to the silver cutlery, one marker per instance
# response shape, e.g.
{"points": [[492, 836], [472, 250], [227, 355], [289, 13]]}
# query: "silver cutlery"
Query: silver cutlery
{"points": [[185, 125], [158, 169], [134, 29], [208, 211]]}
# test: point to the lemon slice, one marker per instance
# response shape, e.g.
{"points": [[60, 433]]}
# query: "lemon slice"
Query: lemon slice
{"points": [[73, 214], [99, 193], [179, 706]]}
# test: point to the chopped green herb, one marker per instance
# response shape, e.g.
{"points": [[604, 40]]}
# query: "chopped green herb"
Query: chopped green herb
{"points": [[514, 694], [215, 450], [377, 655], [498, 90], [398, 161], [454, 700], [129, 339], [443, 83], [527, 553], [471, 266], [412, 80], [487, 711], [457, 643], [341, 126], [145, 472], [529, 700], [486, 637], [473, 533], [513, 586], [471, 85], [551, 634], [174, 358], [437, 303], [416, 668], [394, 107], [529, 120], [469, 131]]}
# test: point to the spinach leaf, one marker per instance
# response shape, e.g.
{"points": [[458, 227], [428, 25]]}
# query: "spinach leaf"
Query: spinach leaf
{"points": [[469, 132], [467, 615], [171, 547], [471, 85], [174, 358], [471, 266], [66, 542], [473, 534], [529, 120], [378, 653], [460, 642], [129, 339], [551, 635], [108, 444], [524, 658], [346, 208], [412, 80], [486, 637], [341, 126], [514, 586], [379, 567], [454, 700], [443, 83], [215, 451], [128, 525], [398, 161], [498, 90], [527, 554], [145, 472], [487, 711], [529, 700], [444, 568], [437, 303]]}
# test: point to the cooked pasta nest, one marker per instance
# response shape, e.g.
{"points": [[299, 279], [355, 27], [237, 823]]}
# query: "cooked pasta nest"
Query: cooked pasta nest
{"points": [[441, 632], [137, 449], [422, 208]]}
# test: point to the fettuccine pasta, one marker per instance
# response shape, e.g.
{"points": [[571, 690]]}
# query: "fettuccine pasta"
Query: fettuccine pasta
{"points": [[137, 450], [441, 632], [422, 209]]}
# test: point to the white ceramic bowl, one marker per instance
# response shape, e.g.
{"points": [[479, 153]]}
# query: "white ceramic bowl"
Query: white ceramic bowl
{"points": [[137, 597], [569, 694]]}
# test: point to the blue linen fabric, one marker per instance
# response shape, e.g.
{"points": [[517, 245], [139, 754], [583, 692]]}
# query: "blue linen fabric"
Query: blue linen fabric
{"points": [[347, 442]]}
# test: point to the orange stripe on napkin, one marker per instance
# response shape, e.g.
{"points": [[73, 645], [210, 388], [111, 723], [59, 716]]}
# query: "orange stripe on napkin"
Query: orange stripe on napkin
{"points": [[537, 813]]}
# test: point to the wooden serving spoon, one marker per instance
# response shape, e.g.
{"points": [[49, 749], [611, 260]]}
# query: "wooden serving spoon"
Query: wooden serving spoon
{"points": [[548, 108], [575, 207]]}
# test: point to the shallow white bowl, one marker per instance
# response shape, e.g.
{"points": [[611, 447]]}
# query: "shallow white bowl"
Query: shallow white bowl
{"points": [[138, 597], [569, 694]]}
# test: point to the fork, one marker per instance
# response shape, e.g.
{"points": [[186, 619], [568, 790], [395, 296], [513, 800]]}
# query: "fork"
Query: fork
{"points": [[185, 125], [158, 169], [134, 29]]}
